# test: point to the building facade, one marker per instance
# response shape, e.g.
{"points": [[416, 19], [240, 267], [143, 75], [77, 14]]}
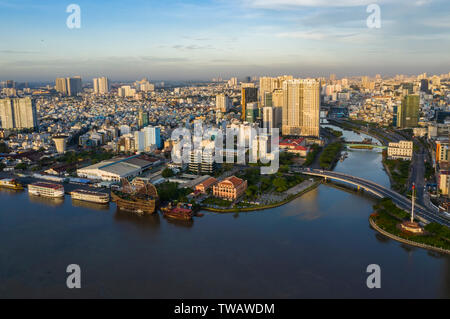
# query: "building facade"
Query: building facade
{"points": [[230, 188]]}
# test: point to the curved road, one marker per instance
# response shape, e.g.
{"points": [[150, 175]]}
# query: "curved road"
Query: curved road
{"points": [[381, 191]]}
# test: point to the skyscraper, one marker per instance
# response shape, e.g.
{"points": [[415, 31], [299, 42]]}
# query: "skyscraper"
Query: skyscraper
{"points": [[222, 102], [101, 85], [69, 86], [408, 112], [301, 107], [249, 95], [18, 113], [143, 119], [269, 85]]}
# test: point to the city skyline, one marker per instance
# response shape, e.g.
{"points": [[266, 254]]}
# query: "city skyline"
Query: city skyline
{"points": [[204, 39]]}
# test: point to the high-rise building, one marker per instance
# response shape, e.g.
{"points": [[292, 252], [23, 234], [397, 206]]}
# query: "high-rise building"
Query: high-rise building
{"points": [[69, 86], [408, 112], [152, 136], [251, 112], [249, 95], [101, 85], [222, 102], [272, 117], [269, 85], [18, 113], [301, 108], [143, 119]]}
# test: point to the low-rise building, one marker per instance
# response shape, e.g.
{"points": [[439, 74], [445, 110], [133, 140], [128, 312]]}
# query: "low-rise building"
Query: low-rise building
{"points": [[230, 188], [401, 150], [207, 184]]}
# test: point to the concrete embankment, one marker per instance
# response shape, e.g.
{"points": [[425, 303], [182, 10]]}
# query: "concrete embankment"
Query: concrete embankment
{"points": [[405, 241]]}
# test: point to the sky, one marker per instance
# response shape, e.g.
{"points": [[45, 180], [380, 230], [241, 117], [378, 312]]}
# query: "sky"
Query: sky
{"points": [[200, 39]]}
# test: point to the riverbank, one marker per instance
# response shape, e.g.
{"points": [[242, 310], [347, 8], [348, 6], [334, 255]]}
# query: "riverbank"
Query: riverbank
{"points": [[265, 207], [405, 241]]}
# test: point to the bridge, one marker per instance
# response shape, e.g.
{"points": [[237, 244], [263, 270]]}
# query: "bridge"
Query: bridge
{"points": [[359, 145], [424, 214]]}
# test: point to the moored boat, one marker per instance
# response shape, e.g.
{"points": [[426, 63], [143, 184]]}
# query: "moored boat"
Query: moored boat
{"points": [[46, 190], [179, 212], [11, 184], [90, 196]]}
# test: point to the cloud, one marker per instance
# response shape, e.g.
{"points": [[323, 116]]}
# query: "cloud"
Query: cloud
{"points": [[17, 52]]}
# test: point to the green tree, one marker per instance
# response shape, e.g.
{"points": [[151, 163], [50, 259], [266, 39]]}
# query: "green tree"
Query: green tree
{"points": [[167, 172]]}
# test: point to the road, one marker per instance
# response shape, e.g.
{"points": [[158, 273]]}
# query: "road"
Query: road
{"points": [[381, 191]]}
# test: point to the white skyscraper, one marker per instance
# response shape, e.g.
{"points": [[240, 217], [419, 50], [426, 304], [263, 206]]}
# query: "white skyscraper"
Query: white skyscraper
{"points": [[101, 85], [18, 113]]}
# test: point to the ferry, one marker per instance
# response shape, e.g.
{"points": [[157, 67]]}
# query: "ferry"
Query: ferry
{"points": [[46, 190], [11, 184], [90, 196], [180, 212]]}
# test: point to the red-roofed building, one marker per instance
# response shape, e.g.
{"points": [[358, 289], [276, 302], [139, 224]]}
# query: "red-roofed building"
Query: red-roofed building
{"points": [[230, 188], [297, 146], [204, 186]]}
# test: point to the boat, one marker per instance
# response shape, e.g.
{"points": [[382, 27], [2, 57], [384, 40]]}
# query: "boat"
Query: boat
{"points": [[137, 197], [11, 184], [46, 190], [180, 212], [90, 196]]}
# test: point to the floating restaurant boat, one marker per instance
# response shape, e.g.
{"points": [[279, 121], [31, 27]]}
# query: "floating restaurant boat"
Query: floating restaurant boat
{"points": [[46, 190], [90, 196], [179, 212], [137, 197], [10, 184]]}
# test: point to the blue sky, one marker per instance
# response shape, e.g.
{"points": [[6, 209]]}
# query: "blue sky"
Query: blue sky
{"points": [[199, 39]]}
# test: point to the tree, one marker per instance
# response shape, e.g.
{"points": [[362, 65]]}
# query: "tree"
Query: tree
{"points": [[4, 148], [280, 183], [21, 166], [167, 172]]}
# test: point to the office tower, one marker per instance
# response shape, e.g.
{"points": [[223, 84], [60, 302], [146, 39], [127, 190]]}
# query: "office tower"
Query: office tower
{"points": [[269, 85], [301, 108], [73, 86], [278, 98], [408, 112], [61, 85], [101, 85], [222, 102], [424, 85], [249, 95], [69, 86], [152, 136], [272, 117], [202, 163], [251, 112], [143, 119], [233, 82], [18, 113], [332, 77]]}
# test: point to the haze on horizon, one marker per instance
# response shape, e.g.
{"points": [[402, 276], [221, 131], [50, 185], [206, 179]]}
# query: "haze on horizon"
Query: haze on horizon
{"points": [[200, 39]]}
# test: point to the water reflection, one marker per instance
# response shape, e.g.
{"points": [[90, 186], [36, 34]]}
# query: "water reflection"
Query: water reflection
{"points": [[46, 200], [152, 221], [90, 205], [180, 223]]}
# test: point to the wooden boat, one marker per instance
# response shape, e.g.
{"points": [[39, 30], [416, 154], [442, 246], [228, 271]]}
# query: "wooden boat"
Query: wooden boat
{"points": [[179, 212], [138, 197]]}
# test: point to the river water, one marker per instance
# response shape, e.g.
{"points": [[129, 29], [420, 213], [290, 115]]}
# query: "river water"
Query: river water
{"points": [[316, 246]]}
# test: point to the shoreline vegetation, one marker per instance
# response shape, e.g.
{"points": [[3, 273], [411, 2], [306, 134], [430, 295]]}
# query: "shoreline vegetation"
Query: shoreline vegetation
{"points": [[289, 199], [386, 218]]}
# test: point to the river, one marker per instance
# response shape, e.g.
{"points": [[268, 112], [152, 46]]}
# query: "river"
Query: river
{"points": [[319, 245]]}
